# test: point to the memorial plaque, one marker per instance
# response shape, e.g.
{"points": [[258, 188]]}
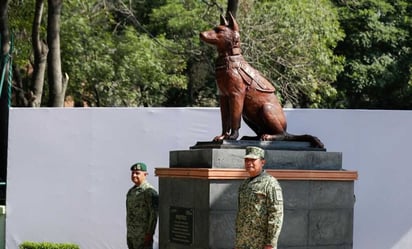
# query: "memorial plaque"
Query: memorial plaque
{"points": [[181, 225]]}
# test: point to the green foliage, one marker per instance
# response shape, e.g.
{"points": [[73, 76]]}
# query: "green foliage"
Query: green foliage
{"points": [[297, 38], [47, 245], [148, 53], [193, 17], [142, 9], [181, 22], [378, 54], [291, 43], [21, 14], [117, 68], [87, 48], [147, 68]]}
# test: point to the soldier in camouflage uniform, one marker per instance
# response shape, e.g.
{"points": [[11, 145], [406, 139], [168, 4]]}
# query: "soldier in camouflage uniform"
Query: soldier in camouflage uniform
{"points": [[260, 205], [141, 210]]}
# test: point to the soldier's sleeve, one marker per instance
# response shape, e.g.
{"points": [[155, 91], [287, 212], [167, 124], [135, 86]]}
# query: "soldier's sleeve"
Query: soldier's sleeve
{"points": [[127, 209], [153, 201], [275, 213]]}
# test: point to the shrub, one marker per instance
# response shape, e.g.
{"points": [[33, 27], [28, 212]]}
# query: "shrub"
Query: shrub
{"points": [[47, 245]]}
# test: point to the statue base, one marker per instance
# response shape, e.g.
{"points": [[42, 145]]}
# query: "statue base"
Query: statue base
{"points": [[198, 196], [278, 155]]}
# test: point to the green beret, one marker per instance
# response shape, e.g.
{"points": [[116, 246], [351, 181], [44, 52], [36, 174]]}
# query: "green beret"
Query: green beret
{"points": [[138, 166], [254, 152]]}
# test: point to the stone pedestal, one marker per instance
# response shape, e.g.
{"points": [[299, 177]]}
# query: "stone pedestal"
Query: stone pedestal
{"points": [[198, 197]]}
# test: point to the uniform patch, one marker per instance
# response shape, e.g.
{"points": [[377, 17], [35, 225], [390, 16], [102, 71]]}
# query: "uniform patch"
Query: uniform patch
{"points": [[279, 195]]}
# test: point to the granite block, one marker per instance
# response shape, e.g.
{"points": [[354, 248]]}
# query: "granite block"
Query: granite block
{"points": [[330, 227], [222, 232], [224, 194], [275, 159], [307, 160], [295, 228], [206, 158], [331, 194], [295, 194]]}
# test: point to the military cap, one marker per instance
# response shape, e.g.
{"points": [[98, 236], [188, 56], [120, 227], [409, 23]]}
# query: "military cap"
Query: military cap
{"points": [[254, 152], [139, 166]]}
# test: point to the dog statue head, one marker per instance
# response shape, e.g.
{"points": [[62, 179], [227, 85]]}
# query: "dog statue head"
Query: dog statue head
{"points": [[224, 37]]}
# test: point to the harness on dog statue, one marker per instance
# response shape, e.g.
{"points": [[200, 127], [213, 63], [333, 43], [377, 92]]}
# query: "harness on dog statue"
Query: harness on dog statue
{"points": [[250, 76]]}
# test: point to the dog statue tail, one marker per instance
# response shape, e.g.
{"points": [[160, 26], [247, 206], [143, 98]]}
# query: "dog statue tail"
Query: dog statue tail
{"points": [[314, 141]]}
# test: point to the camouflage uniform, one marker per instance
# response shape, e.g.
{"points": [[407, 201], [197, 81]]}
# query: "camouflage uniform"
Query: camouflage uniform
{"points": [[141, 214], [260, 212]]}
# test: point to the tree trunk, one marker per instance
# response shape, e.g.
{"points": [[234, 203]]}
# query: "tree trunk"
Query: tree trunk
{"points": [[4, 97], [232, 7], [57, 84], [40, 57], [18, 89]]}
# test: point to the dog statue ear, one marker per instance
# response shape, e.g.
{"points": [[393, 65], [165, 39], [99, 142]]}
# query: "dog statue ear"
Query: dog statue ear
{"points": [[223, 20], [232, 23]]}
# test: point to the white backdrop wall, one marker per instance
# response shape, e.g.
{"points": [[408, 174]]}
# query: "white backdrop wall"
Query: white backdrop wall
{"points": [[68, 169]]}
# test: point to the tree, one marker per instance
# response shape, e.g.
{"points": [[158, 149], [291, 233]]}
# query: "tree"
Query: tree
{"points": [[112, 63], [181, 22], [30, 62], [302, 64], [40, 50], [145, 73], [57, 83], [4, 93], [86, 30], [112, 48], [232, 6], [291, 43], [22, 24], [378, 54]]}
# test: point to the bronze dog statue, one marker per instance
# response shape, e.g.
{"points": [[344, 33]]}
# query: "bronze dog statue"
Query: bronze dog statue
{"points": [[244, 92]]}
